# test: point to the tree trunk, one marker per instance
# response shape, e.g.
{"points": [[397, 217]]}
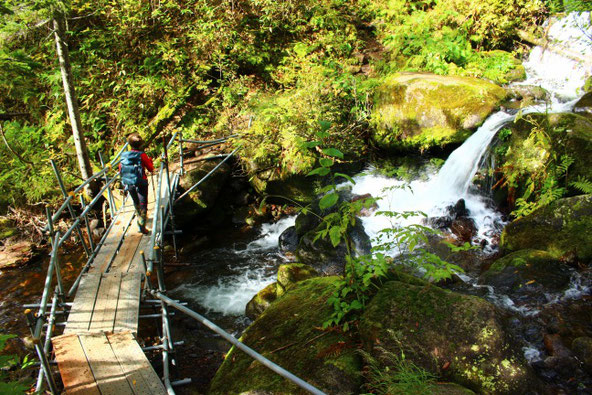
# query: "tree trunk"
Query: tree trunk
{"points": [[59, 22]]}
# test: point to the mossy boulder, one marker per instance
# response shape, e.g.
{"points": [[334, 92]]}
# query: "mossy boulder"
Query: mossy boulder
{"points": [[261, 301], [560, 228], [288, 334], [530, 145], [419, 111], [457, 337], [202, 198], [290, 274], [527, 274]]}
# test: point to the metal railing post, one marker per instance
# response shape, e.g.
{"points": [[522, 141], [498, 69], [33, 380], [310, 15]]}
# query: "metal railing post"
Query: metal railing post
{"points": [[40, 353], [181, 152], [87, 224], [65, 193], [112, 207], [48, 334]]}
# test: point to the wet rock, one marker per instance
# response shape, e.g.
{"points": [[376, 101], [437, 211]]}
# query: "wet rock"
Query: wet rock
{"points": [[288, 240], [464, 229], [555, 346], [292, 273], [320, 253], [458, 222], [562, 226], [437, 328], [17, 254], [528, 275], [418, 111], [288, 333], [459, 209], [528, 93], [582, 348], [569, 318], [261, 301], [330, 260]]}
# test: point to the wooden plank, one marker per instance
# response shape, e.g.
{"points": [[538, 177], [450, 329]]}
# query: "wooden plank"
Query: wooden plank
{"points": [[104, 364], [103, 317], [139, 373], [128, 303], [127, 251], [135, 264], [84, 303], [74, 368], [109, 249]]}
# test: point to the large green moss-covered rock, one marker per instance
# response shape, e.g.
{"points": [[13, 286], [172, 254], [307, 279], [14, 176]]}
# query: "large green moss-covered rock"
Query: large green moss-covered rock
{"points": [[458, 337], [288, 334], [562, 227], [202, 198], [420, 111]]}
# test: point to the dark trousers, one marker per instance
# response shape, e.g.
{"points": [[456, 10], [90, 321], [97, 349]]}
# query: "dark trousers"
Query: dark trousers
{"points": [[139, 194]]}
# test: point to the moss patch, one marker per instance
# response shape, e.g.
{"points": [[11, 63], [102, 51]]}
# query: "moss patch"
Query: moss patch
{"points": [[564, 226], [261, 301], [420, 111], [288, 275], [288, 334], [437, 328]]}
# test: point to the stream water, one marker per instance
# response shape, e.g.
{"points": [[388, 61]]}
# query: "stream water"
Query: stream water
{"points": [[222, 278], [230, 274]]}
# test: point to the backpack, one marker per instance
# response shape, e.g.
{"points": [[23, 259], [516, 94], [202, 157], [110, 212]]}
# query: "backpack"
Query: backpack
{"points": [[131, 168]]}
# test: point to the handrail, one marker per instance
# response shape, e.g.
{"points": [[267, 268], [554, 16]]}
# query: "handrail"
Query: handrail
{"points": [[206, 176], [249, 351]]}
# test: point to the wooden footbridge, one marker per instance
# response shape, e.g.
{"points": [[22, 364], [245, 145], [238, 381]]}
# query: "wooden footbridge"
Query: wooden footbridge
{"points": [[98, 351]]}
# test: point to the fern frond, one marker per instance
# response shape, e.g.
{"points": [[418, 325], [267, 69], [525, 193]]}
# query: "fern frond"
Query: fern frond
{"points": [[582, 184]]}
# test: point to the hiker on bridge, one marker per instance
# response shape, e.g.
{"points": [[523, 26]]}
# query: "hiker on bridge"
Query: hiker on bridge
{"points": [[132, 168]]}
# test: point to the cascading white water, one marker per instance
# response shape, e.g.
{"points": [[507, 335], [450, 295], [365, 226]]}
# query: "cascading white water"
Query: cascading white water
{"points": [[248, 275], [560, 76]]}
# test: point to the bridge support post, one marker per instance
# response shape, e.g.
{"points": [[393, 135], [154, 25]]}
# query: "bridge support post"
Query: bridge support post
{"points": [[70, 209]]}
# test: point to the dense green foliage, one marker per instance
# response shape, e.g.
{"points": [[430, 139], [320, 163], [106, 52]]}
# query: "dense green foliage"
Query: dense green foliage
{"points": [[209, 66], [7, 362]]}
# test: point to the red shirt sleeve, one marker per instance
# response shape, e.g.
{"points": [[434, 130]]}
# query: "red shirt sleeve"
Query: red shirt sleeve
{"points": [[147, 162]]}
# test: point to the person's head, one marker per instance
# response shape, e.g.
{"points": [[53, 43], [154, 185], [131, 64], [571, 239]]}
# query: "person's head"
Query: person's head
{"points": [[135, 141]]}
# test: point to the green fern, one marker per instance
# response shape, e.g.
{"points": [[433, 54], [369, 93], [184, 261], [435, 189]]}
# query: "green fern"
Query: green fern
{"points": [[582, 184]]}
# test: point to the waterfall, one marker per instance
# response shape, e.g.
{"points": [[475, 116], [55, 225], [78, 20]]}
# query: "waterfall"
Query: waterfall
{"points": [[561, 77]]}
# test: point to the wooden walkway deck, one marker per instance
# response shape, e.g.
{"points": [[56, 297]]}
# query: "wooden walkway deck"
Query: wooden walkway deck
{"points": [[98, 352]]}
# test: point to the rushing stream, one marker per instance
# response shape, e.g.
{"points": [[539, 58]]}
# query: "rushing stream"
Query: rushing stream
{"points": [[229, 275]]}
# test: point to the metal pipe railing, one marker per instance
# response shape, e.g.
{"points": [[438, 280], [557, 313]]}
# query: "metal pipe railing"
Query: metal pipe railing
{"points": [[69, 206], [48, 334], [249, 351], [206, 176]]}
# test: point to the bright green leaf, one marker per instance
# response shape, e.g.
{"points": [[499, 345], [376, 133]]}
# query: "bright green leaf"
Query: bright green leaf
{"points": [[328, 201]]}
